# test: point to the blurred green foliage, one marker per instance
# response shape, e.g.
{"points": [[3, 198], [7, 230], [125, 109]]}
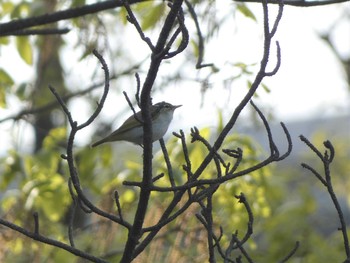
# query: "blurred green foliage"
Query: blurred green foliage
{"points": [[39, 183]]}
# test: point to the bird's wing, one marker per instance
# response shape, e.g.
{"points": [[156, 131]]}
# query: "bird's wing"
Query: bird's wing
{"points": [[128, 124]]}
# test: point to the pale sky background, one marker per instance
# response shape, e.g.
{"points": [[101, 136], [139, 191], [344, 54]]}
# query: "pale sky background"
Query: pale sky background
{"points": [[309, 84]]}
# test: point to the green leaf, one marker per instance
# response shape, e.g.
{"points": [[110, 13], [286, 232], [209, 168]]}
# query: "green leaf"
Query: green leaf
{"points": [[55, 137], [25, 50], [220, 121], [195, 48], [76, 3], [6, 8], [153, 16], [2, 98], [20, 10], [244, 10], [5, 83], [5, 80], [11, 167], [21, 91], [4, 41], [265, 87]]}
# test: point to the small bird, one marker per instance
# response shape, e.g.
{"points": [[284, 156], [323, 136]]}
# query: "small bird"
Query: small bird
{"points": [[132, 129]]}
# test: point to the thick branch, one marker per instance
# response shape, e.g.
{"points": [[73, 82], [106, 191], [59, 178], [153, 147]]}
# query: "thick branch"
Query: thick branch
{"points": [[156, 59], [16, 25]]}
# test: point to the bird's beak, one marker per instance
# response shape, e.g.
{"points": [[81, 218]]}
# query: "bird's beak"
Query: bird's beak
{"points": [[177, 106]]}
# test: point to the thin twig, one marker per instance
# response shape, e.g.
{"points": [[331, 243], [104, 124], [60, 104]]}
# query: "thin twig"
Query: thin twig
{"points": [[105, 91], [119, 208], [36, 223], [256, 83], [242, 199], [51, 242], [69, 157], [326, 159], [241, 248], [278, 63], [43, 31], [63, 105], [132, 19], [193, 14], [167, 162], [291, 253], [138, 86], [131, 106], [72, 213], [185, 37]]}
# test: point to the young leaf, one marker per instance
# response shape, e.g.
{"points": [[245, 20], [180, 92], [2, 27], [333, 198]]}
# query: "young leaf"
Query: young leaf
{"points": [[153, 16], [25, 50], [244, 10]]}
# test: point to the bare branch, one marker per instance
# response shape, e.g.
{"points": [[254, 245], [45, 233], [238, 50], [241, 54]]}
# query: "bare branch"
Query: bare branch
{"points": [[119, 208], [43, 31], [200, 38], [138, 86], [104, 95], [72, 212], [167, 162], [258, 79], [51, 242], [132, 107], [207, 221], [326, 159], [291, 253], [132, 249], [235, 240], [278, 63], [36, 223], [69, 157], [311, 146], [185, 37], [312, 170], [242, 199], [188, 166], [19, 24], [63, 105], [132, 19]]}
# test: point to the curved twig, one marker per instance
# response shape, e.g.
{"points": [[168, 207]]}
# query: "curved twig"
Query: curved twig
{"points": [[69, 157], [326, 159]]}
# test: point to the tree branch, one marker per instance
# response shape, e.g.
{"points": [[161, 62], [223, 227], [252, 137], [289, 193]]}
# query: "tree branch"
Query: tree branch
{"points": [[51, 242], [19, 24], [69, 157], [326, 159], [145, 191]]}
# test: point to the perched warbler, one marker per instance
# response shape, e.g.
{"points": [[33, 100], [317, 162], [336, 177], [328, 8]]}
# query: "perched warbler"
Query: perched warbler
{"points": [[132, 129]]}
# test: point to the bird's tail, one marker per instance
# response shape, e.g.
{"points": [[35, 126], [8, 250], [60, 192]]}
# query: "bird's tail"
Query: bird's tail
{"points": [[98, 142]]}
